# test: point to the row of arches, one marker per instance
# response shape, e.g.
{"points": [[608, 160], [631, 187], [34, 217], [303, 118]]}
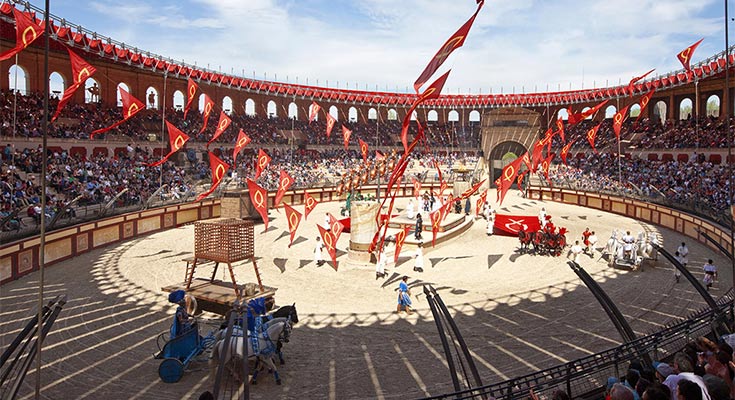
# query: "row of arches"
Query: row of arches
{"points": [[18, 80]]}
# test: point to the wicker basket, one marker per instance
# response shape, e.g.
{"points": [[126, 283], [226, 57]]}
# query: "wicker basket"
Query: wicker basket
{"points": [[224, 240]]}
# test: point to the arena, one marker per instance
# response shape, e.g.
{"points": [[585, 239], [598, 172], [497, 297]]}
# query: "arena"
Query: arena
{"points": [[118, 227]]}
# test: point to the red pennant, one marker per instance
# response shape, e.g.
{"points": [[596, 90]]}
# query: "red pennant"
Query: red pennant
{"points": [[222, 125], [538, 154], [645, 99], [219, 169], [591, 135], [284, 183], [314, 112], [508, 176], [442, 187], [242, 141], [130, 107], [632, 82], [330, 242], [469, 192], [80, 71], [293, 218], [346, 133], [560, 127], [454, 42], [400, 238], [26, 32], [191, 91], [618, 120], [520, 181], [432, 92], [330, 123], [363, 149], [685, 56], [416, 187], [379, 156], [261, 163], [259, 198], [436, 219], [208, 106], [335, 226], [478, 205], [176, 140], [309, 204], [565, 150], [546, 164]]}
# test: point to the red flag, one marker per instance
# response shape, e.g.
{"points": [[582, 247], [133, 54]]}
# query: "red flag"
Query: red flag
{"points": [[546, 141], [80, 71], [222, 125], [309, 204], [497, 191], [400, 238], [469, 192], [293, 218], [560, 127], [538, 154], [508, 176], [431, 92], [520, 181], [478, 205], [618, 120], [511, 224], [219, 169], [454, 42], [594, 109], [335, 226], [436, 219], [447, 206], [191, 91], [591, 135], [26, 32], [314, 112], [259, 198], [526, 160], [565, 150], [636, 79], [208, 105], [346, 133], [363, 149], [330, 123], [261, 163], [645, 99], [242, 141], [330, 242], [176, 140], [284, 183], [416, 187], [379, 156], [545, 166], [685, 56], [442, 187], [130, 107]]}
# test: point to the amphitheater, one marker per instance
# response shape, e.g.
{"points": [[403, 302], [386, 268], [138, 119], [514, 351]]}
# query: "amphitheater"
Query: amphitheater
{"points": [[520, 314]]}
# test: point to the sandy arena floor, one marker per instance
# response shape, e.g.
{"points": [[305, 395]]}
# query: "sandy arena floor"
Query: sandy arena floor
{"points": [[518, 313]]}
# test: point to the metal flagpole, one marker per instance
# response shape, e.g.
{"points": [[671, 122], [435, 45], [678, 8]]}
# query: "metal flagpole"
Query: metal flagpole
{"points": [[622, 118], [728, 107], [377, 144], [44, 166], [163, 131]]}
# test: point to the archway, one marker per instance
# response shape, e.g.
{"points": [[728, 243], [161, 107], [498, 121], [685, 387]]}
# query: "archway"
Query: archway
{"points": [[352, 114], [562, 114], [119, 97], [293, 111], [18, 79], [453, 116], [91, 91], [57, 85], [685, 109], [659, 111], [610, 112], [392, 115], [713, 106], [635, 110], [334, 112], [227, 105], [372, 114], [432, 116], [585, 110], [151, 96], [272, 109], [503, 154], [250, 107], [178, 100], [474, 116]]}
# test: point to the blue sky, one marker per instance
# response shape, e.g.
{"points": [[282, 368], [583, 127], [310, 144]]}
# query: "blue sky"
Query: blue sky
{"points": [[519, 45]]}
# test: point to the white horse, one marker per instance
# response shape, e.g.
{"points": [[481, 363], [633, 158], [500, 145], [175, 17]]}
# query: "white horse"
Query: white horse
{"points": [[612, 244], [646, 248], [274, 332]]}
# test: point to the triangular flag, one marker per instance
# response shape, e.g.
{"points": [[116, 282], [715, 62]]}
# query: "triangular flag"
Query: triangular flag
{"points": [[80, 71], [191, 91], [309, 204], [261, 163], [222, 125], [293, 218], [26, 32], [284, 183], [176, 140], [218, 169], [259, 198], [242, 141], [130, 107]]}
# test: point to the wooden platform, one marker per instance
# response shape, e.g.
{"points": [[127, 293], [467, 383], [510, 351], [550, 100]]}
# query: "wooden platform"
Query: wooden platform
{"points": [[217, 296]]}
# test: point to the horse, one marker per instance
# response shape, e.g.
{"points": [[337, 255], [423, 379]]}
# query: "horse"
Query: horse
{"points": [[612, 243], [274, 331], [526, 239]]}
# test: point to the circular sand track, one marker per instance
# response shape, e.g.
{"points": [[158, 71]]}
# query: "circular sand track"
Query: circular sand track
{"points": [[518, 313]]}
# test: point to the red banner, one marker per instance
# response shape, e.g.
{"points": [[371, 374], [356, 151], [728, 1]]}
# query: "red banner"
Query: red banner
{"points": [[645, 99], [469, 192], [636, 79], [261, 163], [80, 71], [219, 169], [545, 165], [309, 204], [431, 92], [26, 32], [335, 226], [314, 111], [436, 219], [222, 125], [508, 176], [416, 187], [592, 134], [330, 123], [346, 133], [293, 218], [242, 141], [565, 151], [363, 149], [259, 198], [478, 205], [330, 242], [130, 107], [191, 91], [208, 106], [618, 120], [176, 140], [400, 238], [685, 56], [537, 155], [560, 127], [284, 183], [509, 225]]}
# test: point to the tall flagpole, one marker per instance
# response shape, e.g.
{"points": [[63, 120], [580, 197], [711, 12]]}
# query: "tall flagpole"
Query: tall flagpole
{"points": [[728, 108], [622, 118], [163, 129], [42, 245]]}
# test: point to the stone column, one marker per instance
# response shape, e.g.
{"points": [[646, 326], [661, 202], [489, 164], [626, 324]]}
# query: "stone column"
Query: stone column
{"points": [[362, 229]]}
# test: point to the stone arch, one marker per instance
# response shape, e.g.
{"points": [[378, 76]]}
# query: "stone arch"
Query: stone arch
{"points": [[585, 110], [432, 116], [92, 92], [659, 111], [392, 115], [178, 100], [453, 116], [293, 111], [311, 110], [712, 106], [414, 115], [610, 111], [250, 107], [372, 114], [685, 108], [503, 154], [352, 114], [272, 109], [151, 98], [562, 114], [56, 84], [200, 103], [635, 110], [227, 105], [474, 116], [126, 87], [18, 79], [334, 112]]}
